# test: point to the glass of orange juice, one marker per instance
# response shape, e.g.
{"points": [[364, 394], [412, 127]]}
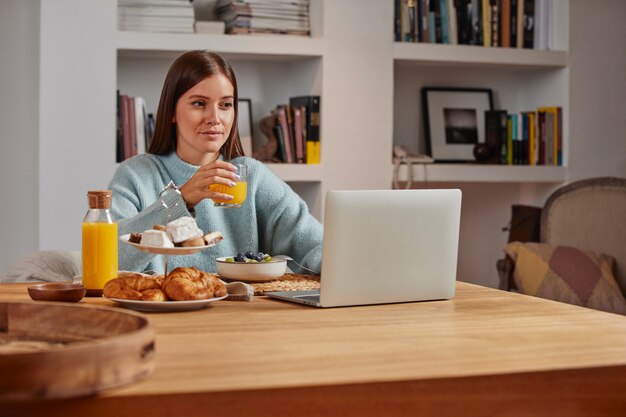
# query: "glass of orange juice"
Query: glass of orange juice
{"points": [[239, 191]]}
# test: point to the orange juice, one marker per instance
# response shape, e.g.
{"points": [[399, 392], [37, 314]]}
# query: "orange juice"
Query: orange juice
{"points": [[239, 192], [99, 254]]}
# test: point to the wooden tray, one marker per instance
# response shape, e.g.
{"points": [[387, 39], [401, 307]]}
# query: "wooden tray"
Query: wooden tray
{"points": [[62, 350]]}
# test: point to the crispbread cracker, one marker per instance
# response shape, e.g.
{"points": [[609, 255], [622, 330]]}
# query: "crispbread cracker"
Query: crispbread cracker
{"points": [[288, 282]]}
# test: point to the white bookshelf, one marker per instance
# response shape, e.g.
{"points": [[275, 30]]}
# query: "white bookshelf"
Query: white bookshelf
{"points": [[474, 173], [268, 47], [476, 56]]}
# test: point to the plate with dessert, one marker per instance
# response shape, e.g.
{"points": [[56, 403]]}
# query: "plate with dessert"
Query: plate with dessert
{"points": [[183, 289], [179, 237]]}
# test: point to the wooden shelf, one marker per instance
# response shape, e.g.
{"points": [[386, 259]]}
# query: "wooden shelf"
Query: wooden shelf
{"points": [[483, 173], [476, 56], [269, 47]]}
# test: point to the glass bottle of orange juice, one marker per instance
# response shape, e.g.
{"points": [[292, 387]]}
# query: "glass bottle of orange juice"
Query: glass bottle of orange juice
{"points": [[99, 243]]}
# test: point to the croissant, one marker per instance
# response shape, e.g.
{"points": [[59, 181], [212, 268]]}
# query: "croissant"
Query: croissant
{"points": [[136, 286], [192, 284]]}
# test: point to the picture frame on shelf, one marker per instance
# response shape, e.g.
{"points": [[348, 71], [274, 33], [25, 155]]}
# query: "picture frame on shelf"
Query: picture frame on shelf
{"points": [[244, 124], [454, 121]]}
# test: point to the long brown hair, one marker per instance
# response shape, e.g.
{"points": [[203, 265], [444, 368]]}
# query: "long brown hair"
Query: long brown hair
{"points": [[188, 70]]}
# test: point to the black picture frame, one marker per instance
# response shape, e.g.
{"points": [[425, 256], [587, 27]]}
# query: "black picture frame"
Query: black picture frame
{"points": [[454, 121]]}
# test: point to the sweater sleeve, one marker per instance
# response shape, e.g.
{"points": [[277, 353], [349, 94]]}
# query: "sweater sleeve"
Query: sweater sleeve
{"points": [[136, 207], [286, 226]]}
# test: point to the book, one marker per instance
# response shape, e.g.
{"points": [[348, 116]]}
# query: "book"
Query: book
{"points": [[505, 23], [486, 21], [453, 37], [119, 143], [475, 20], [278, 132], [141, 125], [529, 136], [311, 105], [281, 112], [495, 134], [444, 21], [494, 21], [299, 132], [513, 23], [552, 134], [432, 18], [528, 24], [126, 139]]}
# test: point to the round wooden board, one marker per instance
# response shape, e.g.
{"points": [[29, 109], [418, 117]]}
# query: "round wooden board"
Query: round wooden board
{"points": [[63, 350]]}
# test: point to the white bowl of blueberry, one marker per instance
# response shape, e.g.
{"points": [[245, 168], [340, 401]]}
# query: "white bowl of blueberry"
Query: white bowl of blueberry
{"points": [[251, 266]]}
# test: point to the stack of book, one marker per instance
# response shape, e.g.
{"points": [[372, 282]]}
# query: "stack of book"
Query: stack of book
{"points": [[264, 16], [135, 126], [297, 130], [526, 138], [501, 23], [176, 16]]}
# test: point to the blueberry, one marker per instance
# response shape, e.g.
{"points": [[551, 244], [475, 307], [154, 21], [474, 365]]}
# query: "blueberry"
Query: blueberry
{"points": [[250, 255], [259, 258], [240, 258]]}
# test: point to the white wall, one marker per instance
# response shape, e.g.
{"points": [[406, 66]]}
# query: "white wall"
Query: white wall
{"points": [[19, 116], [598, 88]]}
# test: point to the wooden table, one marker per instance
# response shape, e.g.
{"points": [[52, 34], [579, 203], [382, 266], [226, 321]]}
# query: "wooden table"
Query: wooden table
{"points": [[486, 352]]}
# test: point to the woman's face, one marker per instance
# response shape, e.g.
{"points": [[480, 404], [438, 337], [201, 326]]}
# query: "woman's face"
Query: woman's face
{"points": [[204, 117]]}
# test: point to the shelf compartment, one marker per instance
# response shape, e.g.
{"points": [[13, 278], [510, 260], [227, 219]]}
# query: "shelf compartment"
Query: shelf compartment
{"points": [[268, 47], [476, 56], [483, 173]]}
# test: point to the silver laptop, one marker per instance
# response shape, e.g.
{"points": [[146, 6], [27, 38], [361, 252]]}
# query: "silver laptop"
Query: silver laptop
{"points": [[386, 246]]}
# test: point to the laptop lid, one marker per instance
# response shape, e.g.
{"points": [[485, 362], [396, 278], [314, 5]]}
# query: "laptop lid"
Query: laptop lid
{"points": [[389, 246]]}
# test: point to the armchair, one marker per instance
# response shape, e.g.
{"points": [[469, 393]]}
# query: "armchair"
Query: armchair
{"points": [[589, 215]]}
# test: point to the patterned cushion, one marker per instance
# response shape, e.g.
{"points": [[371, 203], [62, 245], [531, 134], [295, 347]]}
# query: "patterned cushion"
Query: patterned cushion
{"points": [[566, 274]]}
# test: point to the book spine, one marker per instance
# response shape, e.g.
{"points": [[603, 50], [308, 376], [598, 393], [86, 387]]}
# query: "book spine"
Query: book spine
{"points": [[298, 128], [425, 21], [495, 23], [397, 25], [486, 22], [528, 24], [278, 132], [119, 145], [444, 17], [125, 128], [284, 126], [505, 23], [513, 23], [432, 19], [453, 27]]}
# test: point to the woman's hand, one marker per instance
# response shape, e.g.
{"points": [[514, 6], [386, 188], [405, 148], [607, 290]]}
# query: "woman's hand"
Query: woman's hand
{"points": [[198, 187]]}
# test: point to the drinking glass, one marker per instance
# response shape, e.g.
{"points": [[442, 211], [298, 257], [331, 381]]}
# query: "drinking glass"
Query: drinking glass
{"points": [[239, 191]]}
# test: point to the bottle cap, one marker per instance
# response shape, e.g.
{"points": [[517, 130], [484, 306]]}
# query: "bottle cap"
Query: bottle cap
{"points": [[100, 199]]}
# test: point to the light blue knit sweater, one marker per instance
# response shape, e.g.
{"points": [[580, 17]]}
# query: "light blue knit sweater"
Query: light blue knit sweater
{"points": [[273, 219]]}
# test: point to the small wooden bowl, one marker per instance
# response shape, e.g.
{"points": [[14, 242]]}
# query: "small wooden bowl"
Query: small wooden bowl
{"points": [[57, 291]]}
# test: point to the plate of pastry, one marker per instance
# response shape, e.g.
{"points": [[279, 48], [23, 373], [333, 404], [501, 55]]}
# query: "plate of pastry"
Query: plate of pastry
{"points": [[179, 237], [163, 306], [184, 288]]}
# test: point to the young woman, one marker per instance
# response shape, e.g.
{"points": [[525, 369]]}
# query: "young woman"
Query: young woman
{"points": [[196, 143]]}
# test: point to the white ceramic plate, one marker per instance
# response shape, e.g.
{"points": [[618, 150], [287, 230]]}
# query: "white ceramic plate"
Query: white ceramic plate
{"points": [[166, 251], [165, 305], [251, 272]]}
